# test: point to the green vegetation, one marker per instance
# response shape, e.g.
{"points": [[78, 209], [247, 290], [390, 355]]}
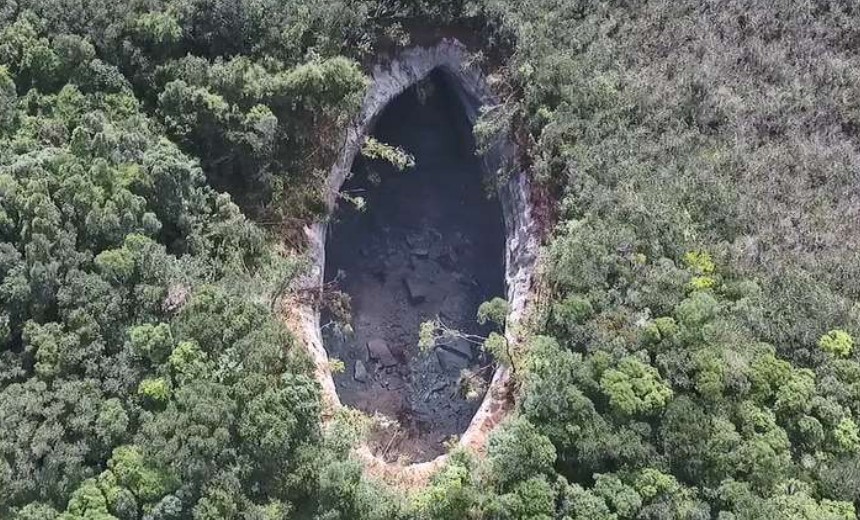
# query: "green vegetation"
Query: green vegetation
{"points": [[399, 158], [692, 357]]}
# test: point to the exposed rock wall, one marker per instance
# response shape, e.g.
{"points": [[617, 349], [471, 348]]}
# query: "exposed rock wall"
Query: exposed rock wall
{"points": [[389, 79]]}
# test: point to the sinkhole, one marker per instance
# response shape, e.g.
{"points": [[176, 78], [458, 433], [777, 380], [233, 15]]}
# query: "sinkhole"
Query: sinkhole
{"points": [[429, 243]]}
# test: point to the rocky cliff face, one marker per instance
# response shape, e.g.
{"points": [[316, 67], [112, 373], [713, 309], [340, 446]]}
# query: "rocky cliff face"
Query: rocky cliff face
{"points": [[389, 79]]}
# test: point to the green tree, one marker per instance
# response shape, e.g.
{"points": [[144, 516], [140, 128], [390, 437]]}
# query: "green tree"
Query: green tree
{"points": [[517, 452], [837, 342], [635, 388]]}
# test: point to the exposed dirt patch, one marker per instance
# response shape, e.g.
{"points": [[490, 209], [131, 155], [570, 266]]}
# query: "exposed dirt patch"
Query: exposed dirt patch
{"points": [[429, 243]]}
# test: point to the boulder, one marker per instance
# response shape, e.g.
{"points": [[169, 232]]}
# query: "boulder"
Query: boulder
{"points": [[359, 372], [447, 259], [378, 351], [453, 306], [449, 360], [416, 289], [459, 346]]}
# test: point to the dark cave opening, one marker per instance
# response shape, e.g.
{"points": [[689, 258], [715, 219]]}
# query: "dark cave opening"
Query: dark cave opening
{"points": [[429, 243]]}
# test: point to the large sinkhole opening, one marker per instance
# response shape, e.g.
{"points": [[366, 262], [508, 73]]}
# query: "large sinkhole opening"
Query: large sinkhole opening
{"points": [[428, 243]]}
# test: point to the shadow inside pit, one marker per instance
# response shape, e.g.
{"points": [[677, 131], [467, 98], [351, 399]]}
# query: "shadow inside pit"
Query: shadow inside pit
{"points": [[429, 242]]}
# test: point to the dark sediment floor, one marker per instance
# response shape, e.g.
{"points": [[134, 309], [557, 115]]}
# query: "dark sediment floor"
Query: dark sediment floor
{"points": [[429, 243]]}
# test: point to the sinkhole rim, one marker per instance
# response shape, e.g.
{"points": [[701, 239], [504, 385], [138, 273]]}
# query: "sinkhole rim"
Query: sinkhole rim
{"points": [[390, 78]]}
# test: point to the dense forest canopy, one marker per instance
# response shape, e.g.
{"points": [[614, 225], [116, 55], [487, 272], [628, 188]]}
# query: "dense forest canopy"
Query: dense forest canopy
{"points": [[691, 355]]}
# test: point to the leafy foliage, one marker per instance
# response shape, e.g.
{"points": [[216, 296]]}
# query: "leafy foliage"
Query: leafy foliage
{"points": [[143, 372], [374, 149], [694, 353]]}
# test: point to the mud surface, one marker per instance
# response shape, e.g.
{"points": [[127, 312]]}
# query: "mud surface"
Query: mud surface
{"points": [[429, 243]]}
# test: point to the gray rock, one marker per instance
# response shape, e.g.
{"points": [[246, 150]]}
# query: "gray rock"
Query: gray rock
{"points": [[447, 259], [439, 386], [449, 360], [468, 281], [379, 272], [416, 289], [378, 351], [415, 240], [452, 306], [458, 346], [359, 372]]}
